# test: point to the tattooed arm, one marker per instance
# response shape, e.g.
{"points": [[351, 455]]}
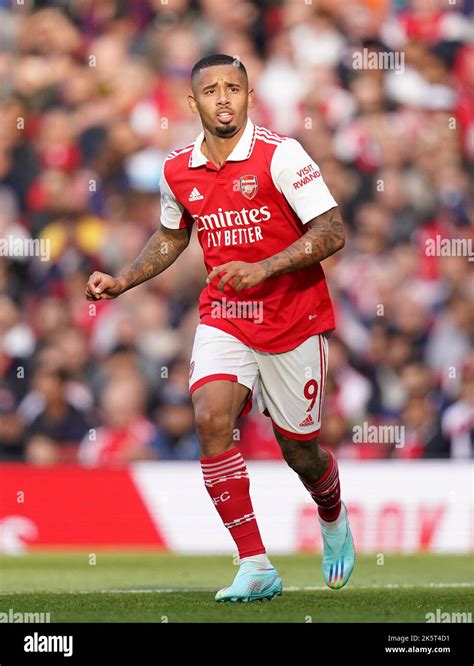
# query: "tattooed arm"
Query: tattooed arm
{"points": [[324, 237], [161, 250]]}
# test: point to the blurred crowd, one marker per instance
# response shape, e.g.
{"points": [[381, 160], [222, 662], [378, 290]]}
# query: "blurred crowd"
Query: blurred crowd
{"points": [[93, 97]]}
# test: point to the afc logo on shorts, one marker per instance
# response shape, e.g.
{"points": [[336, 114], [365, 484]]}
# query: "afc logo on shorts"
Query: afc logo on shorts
{"points": [[249, 186]]}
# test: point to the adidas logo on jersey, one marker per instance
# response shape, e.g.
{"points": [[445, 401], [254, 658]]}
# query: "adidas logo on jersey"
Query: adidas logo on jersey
{"points": [[308, 421], [195, 195]]}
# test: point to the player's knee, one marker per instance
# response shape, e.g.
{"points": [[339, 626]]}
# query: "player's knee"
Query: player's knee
{"points": [[212, 423], [295, 457], [301, 456]]}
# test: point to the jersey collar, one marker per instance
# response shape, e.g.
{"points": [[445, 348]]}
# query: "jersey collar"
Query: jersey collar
{"points": [[242, 150]]}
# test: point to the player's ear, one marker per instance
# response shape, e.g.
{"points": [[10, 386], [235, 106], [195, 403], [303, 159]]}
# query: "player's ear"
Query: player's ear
{"points": [[192, 104], [250, 98]]}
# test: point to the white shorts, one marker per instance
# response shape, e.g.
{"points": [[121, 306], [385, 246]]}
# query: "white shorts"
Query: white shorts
{"points": [[288, 387]]}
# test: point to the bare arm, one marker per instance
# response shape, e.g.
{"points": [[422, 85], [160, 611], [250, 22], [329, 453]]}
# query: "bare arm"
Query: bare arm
{"points": [[324, 237], [161, 250]]}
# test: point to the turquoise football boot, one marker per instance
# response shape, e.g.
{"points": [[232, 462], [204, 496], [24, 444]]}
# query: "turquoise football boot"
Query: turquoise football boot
{"points": [[339, 553], [252, 582]]}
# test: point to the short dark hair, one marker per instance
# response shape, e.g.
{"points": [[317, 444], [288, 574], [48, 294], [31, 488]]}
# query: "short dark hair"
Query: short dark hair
{"points": [[218, 59]]}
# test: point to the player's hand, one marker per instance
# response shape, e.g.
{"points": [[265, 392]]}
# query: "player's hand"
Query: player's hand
{"points": [[239, 274], [103, 287]]}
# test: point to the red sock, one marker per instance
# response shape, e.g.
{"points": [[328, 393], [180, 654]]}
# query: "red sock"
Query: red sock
{"points": [[227, 482], [326, 492]]}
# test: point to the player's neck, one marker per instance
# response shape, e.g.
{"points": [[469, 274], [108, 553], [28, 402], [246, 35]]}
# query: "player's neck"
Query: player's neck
{"points": [[217, 149]]}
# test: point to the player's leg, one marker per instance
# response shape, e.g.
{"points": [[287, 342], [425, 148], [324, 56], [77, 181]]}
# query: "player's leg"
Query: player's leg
{"points": [[217, 405], [223, 373], [292, 390], [318, 471]]}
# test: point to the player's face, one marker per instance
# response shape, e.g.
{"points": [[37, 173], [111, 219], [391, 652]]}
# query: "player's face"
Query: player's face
{"points": [[221, 97]]}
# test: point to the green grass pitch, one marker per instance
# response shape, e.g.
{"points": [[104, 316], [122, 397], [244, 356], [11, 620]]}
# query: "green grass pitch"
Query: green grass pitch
{"points": [[149, 587]]}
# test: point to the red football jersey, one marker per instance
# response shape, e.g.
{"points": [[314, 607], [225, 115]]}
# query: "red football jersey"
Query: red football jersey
{"points": [[254, 206]]}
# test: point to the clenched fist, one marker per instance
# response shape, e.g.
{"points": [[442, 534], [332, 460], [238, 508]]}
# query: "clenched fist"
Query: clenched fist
{"points": [[103, 287]]}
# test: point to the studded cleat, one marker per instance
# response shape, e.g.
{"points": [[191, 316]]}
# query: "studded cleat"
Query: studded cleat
{"points": [[252, 583], [339, 552]]}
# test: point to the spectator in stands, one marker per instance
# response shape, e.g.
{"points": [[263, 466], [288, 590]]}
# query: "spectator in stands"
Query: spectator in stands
{"points": [[53, 434], [125, 433]]}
